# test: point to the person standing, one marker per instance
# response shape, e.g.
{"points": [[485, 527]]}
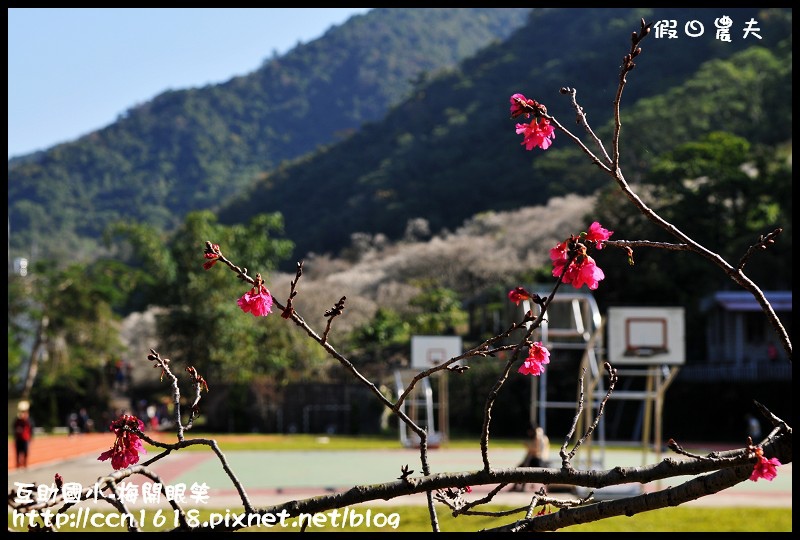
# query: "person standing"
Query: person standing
{"points": [[537, 448], [23, 433]]}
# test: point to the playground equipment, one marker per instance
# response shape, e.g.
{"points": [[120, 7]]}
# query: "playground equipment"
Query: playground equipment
{"points": [[645, 344]]}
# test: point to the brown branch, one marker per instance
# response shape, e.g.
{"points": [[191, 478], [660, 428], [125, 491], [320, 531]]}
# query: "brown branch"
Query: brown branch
{"points": [[566, 457], [627, 66], [672, 496], [163, 363], [331, 314], [211, 443], [597, 161], [287, 311], [763, 243], [481, 350], [580, 118], [667, 468], [492, 396], [625, 244], [735, 274]]}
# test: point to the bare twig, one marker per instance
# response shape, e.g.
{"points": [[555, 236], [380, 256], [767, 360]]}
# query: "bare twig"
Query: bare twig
{"points": [[763, 243], [580, 115], [331, 314], [566, 457], [627, 66]]}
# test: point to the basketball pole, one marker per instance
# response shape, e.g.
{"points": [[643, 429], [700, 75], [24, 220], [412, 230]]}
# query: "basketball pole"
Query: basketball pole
{"points": [[444, 400]]}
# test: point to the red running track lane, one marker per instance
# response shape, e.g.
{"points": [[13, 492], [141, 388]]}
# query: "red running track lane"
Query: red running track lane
{"points": [[53, 448]]}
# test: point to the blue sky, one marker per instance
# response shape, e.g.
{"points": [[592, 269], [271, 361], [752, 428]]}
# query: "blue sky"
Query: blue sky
{"points": [[74, 70]]}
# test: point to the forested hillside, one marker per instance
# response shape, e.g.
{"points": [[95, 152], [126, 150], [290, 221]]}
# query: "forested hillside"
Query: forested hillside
{"points": [[189, 149], [450, 151], [444, 154]]}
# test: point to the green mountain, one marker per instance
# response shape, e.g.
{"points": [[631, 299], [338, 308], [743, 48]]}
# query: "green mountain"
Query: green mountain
{"points": [[446, 152], [450, 151], [190, 149]]}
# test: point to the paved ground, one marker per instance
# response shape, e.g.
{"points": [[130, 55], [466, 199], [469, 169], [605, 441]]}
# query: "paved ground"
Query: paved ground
{"points": [[272, 477]]}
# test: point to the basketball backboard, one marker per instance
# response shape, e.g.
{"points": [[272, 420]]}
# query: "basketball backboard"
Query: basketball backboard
{"points": [[430, 351], [646, 335]]}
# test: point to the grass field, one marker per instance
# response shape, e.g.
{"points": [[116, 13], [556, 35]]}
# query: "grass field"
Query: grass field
{"points": [[259, 441], [415, 519], [273, 442]]}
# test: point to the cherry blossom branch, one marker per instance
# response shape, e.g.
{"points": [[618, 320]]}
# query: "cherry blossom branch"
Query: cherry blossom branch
{"points": [[541, 134], [211, 443], [163, 363], [214, 253], [289, 309], [627, 66], [580, 118], [532, 505], [423, 439], [736, 274], [487, 410], [199, 385], [678, 449], [625, 244], [667, 468], [763, 243], [298, 320], [595, 160], [539, 498], [566, 457], [426, 470], [628, 506], [198, 382], [481, 350], [522, 106], [492, 396], [778, 424], [466, 508], [331, 314]]}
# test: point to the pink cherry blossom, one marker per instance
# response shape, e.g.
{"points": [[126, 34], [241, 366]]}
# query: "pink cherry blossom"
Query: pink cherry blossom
{"points": [[212, 254], [257, 301], [560, 254], [586, 273], [765, 468], [127, 446], [538, 356], [598, 234], [538, 132], [583, 269], [518, 294], [516, 105]]}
